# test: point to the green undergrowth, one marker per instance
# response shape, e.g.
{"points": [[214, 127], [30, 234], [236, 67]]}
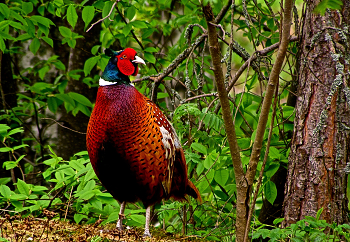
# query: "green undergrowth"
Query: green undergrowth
{"points": [[309, 229]]}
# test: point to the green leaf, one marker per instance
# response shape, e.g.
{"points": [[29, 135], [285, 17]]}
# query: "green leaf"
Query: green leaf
{"points": [[27, 7], [71, 43], [90, 185], [199, 147], [18, 147], [2, 44], [88, 14], [18, 17], [34, 208], [66, 98], [76, 165], [274, 153], [23, 187], [80, 99], [208, 162], [58, 3], [95, 49], [330, 4], [65, 32], [270, 191], [5, 149], [5, 191], [113, 217], [277, 221], [51, 162], [150, 58], [34, 46], [78, 217], [72, 15], [138, 218], [52, 104], [48, 40], [68, 107], [17, 197], [105, 198], [5, 180], [4, 128], [9, 165], [131, 11], [69, 171], [96, 204], [15, 131], [139, 24], [59, 65], [24, 37], [30, 28], [81, 153], [16, 25], [319, 212], [5, 10], [126, 29], [43, 29], [150, 49], [161, 95], [43, 71], [39, 188], [90, 174], [221, 176], [42, 20], [90, 63], [87, 195], [82, 108]]}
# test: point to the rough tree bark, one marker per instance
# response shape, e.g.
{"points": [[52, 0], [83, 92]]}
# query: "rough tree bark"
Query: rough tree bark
{"points": [[321, 141]]}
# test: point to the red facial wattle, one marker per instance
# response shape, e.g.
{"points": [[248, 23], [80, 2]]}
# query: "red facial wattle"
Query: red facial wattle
{"points": [[125, 64], [136, 71]]}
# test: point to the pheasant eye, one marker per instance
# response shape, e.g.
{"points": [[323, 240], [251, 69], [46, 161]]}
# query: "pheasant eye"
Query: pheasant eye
{"points": [[124, 56]]}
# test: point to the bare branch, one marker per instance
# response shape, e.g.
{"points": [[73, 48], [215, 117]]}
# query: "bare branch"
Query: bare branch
{"points": [[108, 15], [253, 57], [241, 184], [274, 77], [65, 126], [200, 96], [251, 209]]}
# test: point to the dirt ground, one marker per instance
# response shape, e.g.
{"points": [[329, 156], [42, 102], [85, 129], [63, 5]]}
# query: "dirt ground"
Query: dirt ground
{"points": [[15, 228]]}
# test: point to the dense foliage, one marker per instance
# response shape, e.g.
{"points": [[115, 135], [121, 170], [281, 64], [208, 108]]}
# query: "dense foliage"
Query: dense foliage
{"points": [[171, 37]]}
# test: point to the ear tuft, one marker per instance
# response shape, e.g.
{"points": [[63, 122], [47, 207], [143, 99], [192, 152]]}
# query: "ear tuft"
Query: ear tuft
{"points": [[109, 52]]}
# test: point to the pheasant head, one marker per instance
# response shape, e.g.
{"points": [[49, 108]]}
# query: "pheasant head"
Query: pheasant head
{"points": [[121, 65]]}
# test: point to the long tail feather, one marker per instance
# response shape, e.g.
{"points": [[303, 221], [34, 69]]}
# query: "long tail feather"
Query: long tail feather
{"points": [[192, 190]]}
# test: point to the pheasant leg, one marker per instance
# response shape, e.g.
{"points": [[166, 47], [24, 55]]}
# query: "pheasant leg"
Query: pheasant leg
{"points": [[148, 218], [121, 217]]}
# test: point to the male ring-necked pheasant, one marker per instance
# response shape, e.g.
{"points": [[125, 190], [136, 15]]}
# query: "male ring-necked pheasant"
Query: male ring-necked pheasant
{"points": [[133, 148]]}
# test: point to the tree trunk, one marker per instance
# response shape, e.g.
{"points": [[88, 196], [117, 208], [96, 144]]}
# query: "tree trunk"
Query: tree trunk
{"points": [[70, 142], [8, 100], [319, 152]]}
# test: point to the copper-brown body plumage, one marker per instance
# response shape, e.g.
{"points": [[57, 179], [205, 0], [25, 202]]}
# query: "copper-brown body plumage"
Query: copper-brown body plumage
{"points": [[126, 148], [134, 149]]}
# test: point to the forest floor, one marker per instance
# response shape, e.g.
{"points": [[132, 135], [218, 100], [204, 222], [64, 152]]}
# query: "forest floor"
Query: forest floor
{"points": [[33, 229]]}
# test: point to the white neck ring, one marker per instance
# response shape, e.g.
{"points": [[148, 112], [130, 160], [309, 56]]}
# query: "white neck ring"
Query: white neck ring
{"points": [[103, 82]]}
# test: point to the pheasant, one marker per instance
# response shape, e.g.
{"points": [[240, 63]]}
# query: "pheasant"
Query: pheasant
{"points": [[132, 146]]}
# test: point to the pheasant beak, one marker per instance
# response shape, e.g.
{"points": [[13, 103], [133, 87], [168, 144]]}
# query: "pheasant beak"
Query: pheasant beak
{"points": [[138, 60]]}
